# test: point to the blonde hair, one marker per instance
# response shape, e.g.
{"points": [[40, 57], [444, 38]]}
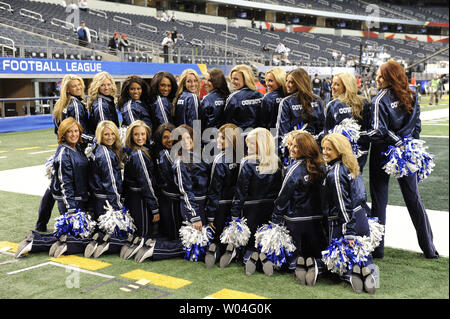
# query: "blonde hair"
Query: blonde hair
{"points": [[64, 98], [65, 126], [182, 86], [117, 146], [280, 77], [129, 136], [350, 94], [232, 134], [265, 153], [97, 81], [247, 73], [344, 149]]}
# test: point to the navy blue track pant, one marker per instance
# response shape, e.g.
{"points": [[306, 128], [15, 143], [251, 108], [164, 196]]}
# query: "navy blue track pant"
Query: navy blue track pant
{"points": [[379, 190]]}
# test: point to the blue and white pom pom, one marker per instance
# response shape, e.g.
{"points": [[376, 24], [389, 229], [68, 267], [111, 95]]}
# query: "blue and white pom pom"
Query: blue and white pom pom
{"points": [[117, 223], [274, 240], [78, 224], [89, 150], [351, 130], [236, 233], [340, 257], [123, 134], [49, 169], [413, 159], [195, 242]]}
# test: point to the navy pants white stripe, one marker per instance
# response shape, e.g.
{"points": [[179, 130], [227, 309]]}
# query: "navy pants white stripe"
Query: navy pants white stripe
{"points": [[379, 190]]}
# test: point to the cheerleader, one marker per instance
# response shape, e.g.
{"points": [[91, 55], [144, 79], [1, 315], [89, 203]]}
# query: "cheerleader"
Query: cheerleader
{"points": [[242, 107], [169, 197], [257, 186], [347, 104], [105, 181], [191, 177], [69, 104], [186, 105], [298, 204], [101, 104], [276, 86], [134, 101], [344, 198], [224, 172], [162, 90], [69, 187], [213, 103], [396, 115], [301, 109]]}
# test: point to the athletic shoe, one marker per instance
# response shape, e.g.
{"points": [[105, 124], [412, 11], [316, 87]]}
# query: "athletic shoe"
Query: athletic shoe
{"points": [[62, 248], [127, 245], [103, 247], [312, 271], [25, 245], [228, 256], [267, 264], [210, 257], [300, 270], [146, 251], [137, 244], [90, 248], [56, 244], [250, 265], [368, 280], [355, 279]]}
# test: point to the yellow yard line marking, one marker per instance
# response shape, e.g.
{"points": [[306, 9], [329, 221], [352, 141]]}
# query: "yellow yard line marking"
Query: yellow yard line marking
{"points": [[3, 151], [27, 148], [81, 262], [12, 247], [234, 294], [52, 145], [157, 279]]}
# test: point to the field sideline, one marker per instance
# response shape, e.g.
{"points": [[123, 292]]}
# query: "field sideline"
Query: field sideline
{"points": [[403, 274]]}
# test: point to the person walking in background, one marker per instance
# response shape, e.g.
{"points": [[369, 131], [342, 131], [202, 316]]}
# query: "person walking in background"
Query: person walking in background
{"points": [[434, 87], [113, 44]]}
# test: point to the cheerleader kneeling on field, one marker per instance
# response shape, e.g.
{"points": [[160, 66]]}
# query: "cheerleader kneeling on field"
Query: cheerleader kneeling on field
{"points": [[298, 205], [344, 198], [69, 187], [258, 184]]}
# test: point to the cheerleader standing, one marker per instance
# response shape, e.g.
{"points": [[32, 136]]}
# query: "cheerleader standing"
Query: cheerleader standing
{"points": [[347, 104], [276, 86], [101, 103], [301, 109], [162, 90], [243, 106], [224, 172], [298, 204], [213, 103], [395, 115], [134, 100], [186, 105], [258, 184]]}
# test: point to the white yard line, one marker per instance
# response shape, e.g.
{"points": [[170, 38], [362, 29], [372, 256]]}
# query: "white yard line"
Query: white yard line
{"points": [[40, 152]]}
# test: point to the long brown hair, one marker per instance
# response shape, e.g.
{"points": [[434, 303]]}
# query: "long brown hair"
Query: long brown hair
{"points": [[304, 92], [310, 152], [394, 74]]}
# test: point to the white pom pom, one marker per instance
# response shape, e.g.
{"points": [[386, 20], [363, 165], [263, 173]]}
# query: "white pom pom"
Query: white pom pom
{"points": [[236, 233], [49, 170], [274, 240], [195, 241], [116, 222], [123, 134]]}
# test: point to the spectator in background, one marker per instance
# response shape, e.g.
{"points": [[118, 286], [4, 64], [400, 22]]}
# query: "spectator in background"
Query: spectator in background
{"points": [[174, 35], [124, 44], [343, 59], [113, 44], [84, 35], [326, 89], [253, 23], [272, 27], [164, 17], [316, 85], [63, 3], [166, 43], [260, 26], [435, 84], [172, 17], [82, 4]]}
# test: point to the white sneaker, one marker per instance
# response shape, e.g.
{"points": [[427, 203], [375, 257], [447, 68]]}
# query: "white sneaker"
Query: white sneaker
{"points": [[148, 252], [355, 279], [25, 245], [312, 272], [369, 280], [62, 248]]}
